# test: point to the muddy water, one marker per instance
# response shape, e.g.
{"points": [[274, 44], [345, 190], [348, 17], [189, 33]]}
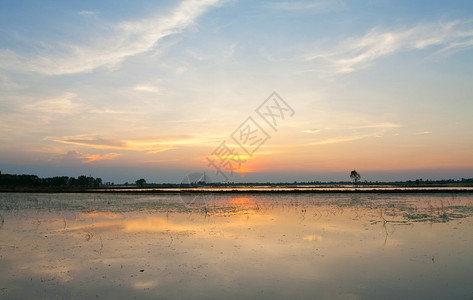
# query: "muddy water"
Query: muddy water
{"points": [[286, 246]]}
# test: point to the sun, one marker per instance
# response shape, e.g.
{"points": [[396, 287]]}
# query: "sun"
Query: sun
{"points": [[242, 175]]}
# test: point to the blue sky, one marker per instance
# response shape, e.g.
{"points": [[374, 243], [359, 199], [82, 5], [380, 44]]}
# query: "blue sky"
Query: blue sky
{"points": [[127, 89]]}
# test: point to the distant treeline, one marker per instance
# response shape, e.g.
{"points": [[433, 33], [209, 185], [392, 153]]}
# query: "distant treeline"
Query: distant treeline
{"points": [[33, 181], [417, 182], [442, 181], [13, 180]]}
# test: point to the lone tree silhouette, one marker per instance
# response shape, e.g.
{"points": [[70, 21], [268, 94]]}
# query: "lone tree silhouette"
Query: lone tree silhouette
{"points": [[355, 176]]}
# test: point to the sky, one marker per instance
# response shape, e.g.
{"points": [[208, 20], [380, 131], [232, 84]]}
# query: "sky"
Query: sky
{"points": [[124, 90]]}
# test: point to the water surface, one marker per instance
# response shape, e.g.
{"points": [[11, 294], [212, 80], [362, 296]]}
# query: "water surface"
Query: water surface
{"points": [[303, 246]]}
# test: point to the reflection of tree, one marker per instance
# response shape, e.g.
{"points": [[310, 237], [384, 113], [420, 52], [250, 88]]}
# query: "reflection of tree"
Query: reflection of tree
{"points": [[355, 199]]}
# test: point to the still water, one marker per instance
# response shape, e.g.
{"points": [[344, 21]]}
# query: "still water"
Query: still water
{"points": [[283, 246]]}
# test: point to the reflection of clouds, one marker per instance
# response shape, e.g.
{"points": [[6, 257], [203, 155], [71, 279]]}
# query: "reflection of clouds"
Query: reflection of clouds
{"points": [[131, 225], [152, 224], [312, 238], [53, 271], [145, 284], [147, 224], [99, 214], [157, 224]]}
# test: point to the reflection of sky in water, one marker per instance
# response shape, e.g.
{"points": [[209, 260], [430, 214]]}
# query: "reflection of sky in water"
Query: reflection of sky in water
{"points": [[283, 246]]}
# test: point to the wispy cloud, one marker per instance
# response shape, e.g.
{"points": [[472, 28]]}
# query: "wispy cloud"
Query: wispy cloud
{"points": [[311, 130], [230, 51], [423, 132], [69, 103], [87, 12], [197, 56], [352, 133], [74, 156], [384, 126], [128, 39], [342, 139], [161, 160], [358, 52], [7, 84], [148, 88], [150, 146], [65, 104], [297, 6]]}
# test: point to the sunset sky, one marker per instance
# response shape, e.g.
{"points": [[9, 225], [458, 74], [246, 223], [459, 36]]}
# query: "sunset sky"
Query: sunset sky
{"points": [[130, 89]]}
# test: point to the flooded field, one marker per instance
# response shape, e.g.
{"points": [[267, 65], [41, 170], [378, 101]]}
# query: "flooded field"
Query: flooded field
{"points": [[284, 246]]}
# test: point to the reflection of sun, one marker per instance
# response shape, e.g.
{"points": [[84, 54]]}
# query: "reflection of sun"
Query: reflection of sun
{"points": [[242, 201], [312, 238], [240, 206]]}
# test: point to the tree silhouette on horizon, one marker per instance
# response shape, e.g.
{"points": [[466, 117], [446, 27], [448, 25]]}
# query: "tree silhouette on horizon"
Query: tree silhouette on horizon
{"points": [[355, 176], [140, 182]]}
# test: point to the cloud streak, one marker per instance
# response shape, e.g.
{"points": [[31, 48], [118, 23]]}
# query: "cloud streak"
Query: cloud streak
{"points": [[64, 104], [72, 156], [148, 88], [353, 133], [311, 130], [358, 52], [148, 146], [312, 6], [87, 12], [424, 132], [128, 39]]}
